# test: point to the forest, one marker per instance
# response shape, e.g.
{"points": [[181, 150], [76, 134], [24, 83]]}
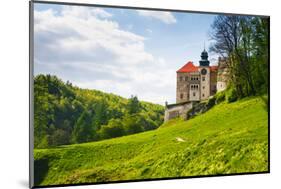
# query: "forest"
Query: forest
{"points": [[244, 42], [66, 114]]}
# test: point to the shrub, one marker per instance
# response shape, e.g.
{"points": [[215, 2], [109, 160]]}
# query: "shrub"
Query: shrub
{"points": [[132, 124], [231, 95], [59, 137], [211, 102], [220, 97], [112, 130]]}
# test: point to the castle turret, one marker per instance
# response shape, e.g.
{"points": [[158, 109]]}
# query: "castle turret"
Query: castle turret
{"points": [[204, 59], [223, 74], [205, 72]]}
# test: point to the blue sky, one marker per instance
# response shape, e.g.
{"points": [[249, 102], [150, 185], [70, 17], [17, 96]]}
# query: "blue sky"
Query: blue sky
{"points": [[122, 51]]}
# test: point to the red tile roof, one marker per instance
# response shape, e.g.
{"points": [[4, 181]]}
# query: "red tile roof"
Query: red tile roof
{"points": [[188, 67], [213, 68]]}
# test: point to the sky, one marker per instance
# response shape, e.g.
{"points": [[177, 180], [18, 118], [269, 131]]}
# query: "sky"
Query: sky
{"points": [[120, 51]]}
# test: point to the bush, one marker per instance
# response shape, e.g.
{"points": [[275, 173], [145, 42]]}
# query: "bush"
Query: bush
{"points": [[220, 97], [133, 124], [112, 130], [231, 95], [59, 137], [211, 102]]}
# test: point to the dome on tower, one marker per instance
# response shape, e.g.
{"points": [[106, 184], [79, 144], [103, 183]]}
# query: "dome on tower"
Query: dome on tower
{"points": [[204, 58], [204, 55]]}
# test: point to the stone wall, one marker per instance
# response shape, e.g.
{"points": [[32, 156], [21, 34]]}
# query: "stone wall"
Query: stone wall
{"points": [[200, 107], [182, 87], [177, 110]]}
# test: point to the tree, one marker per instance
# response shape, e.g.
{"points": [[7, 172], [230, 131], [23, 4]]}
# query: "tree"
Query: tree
{"points": [[236, 38], [43, 113], [133, 105], [83, 131], [100, 113], [261, 52]]}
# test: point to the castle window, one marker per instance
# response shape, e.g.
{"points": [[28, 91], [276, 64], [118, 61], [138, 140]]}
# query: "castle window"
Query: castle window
{"points": [[180, 78], [194, 94], [203, 78], [203, 95], [181, 96], [203, 87]]}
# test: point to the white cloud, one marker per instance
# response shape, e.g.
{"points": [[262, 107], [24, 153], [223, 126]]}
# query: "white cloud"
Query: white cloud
{"points": [[166, 17], [83, 12], [101, 13], [85, 46]]}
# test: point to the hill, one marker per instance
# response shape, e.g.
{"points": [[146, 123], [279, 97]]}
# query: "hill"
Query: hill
{"points": [[229, 138], [66, 114]]}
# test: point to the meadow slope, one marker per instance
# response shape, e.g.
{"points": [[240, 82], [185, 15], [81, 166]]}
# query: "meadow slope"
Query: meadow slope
{"points": [[229, 138]]}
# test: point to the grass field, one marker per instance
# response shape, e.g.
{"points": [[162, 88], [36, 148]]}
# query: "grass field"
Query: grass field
{"points": [[229, 138]]}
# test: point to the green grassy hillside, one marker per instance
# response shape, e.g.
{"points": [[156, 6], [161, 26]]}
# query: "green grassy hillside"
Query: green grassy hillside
{"points": [[229, 138]]}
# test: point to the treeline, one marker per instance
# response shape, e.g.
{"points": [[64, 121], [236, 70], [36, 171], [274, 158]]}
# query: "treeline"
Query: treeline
{"points": [[66, 114], [244, 41]]}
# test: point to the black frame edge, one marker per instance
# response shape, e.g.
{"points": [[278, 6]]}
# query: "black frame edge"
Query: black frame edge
{"points": [[31, 99]]}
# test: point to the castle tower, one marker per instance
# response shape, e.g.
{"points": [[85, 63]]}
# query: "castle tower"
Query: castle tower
{"points": [[205, 72], [223, 74]]}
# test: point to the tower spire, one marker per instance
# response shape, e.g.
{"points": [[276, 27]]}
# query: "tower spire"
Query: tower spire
{"points": [[204, 46], [204, 58]]}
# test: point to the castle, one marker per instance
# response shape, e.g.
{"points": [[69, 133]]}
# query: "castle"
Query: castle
{"points": [[197, 83]]}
